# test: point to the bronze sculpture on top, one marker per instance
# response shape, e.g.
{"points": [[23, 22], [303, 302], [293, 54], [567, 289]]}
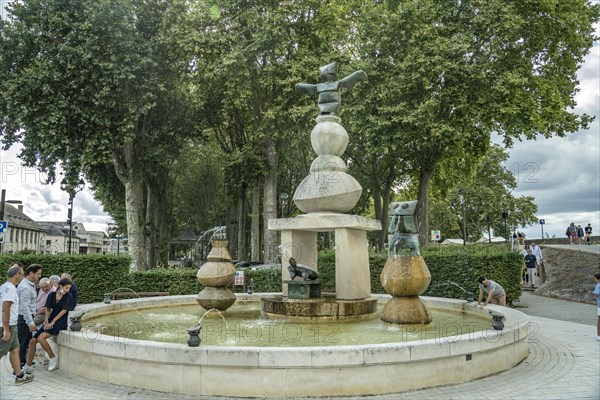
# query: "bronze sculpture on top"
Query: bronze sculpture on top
{"points": [[328, 188], [329, 91], [405, 275]]}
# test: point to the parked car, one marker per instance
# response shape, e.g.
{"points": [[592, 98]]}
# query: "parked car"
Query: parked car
{"points": [[246, 264]]}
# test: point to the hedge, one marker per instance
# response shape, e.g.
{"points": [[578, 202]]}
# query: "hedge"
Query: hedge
{"points": [[450, 267]]}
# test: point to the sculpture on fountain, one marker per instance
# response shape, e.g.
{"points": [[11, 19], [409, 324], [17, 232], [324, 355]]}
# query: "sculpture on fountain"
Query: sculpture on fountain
{"points": [[405, 275], [217, 276], [326, 196]]}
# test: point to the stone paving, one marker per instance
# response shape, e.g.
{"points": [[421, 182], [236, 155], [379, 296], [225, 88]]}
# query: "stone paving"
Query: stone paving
{"points": [[564, 363]]}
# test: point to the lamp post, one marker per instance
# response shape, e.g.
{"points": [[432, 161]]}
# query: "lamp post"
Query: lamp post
{"points": [[283, 200], [462, 193], [72, 192]]}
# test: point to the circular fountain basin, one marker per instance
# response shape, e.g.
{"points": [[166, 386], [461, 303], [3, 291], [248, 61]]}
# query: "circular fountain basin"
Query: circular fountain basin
{"points": [[252, 371]]}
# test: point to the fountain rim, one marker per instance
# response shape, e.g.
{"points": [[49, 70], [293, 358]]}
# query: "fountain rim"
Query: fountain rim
{"points": [[274, 372]]}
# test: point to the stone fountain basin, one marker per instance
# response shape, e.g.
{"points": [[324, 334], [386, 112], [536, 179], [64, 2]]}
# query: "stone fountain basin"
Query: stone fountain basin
{"points": [[292, 371]]}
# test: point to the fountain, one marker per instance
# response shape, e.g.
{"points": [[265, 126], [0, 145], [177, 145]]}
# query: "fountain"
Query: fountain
{"points": [[440, 357]]}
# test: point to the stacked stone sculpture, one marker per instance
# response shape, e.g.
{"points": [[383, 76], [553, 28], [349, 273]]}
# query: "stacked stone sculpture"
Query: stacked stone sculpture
{"points": [[405, 275], [217, 275]]}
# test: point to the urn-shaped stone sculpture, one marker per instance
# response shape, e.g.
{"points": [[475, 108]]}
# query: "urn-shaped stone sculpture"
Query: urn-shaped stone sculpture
{"points": [[405, 275], [217, 276]]}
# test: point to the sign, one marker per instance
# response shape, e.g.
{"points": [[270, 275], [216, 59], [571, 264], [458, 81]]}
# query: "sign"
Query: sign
{"points": [[542, 221], [240, 278], [3, 226], [436, 235]]}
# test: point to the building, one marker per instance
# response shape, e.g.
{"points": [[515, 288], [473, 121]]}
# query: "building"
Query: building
{"points": [[90, 242], [22, 233], [82, 241], [56, 240]]}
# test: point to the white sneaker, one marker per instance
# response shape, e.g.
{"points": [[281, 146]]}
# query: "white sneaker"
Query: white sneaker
{"points": [[53, 363], [28, 369]]}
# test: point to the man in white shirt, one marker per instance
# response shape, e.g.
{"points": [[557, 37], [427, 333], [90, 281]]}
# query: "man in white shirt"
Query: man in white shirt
{"points": [[9, 342]]}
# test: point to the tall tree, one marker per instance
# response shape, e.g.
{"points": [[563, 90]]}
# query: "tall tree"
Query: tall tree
{"points": [[91, 82], [253, 52], [453, 72]]}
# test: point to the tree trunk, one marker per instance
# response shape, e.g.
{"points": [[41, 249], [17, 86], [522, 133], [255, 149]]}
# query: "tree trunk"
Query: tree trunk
{"points": [[385, 209], [270, 203], [241, 233], [425, 174], [128, 172], [255, 222], [150, 227]]}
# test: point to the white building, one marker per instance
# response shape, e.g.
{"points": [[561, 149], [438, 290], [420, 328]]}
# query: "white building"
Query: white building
{"points": [[90, 242], [56, 240], [23, 233]]}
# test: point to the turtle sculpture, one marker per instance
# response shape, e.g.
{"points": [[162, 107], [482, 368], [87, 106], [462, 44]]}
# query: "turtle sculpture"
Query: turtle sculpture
{"points": [[306, 272]]}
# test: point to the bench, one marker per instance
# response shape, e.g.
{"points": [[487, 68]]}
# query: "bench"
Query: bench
{"points": [[117, 295]]}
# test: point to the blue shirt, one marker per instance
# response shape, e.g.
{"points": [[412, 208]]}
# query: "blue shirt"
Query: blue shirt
{"points": [[597, 293]]}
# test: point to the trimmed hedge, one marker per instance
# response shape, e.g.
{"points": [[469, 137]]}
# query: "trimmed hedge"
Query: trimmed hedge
{"points": [[94, 274], [450, 268]]}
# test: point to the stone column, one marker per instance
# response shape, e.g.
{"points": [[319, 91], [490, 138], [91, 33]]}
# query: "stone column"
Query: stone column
{"points": [[352, 276]]}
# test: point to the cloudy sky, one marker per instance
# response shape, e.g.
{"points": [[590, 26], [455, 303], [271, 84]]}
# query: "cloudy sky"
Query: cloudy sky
{"points": [[562, 174]]}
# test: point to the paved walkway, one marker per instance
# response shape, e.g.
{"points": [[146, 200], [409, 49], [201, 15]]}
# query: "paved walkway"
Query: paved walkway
{"points": [[564, 363], [592, 248]]}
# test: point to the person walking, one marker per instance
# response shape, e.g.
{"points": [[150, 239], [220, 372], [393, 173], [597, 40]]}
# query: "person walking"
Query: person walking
{"points": [[537, 252], [596, 294], [572, 233], [530, 263], [588, 234], [496, 293], [580, 234], [9, 341], [27, 309]]}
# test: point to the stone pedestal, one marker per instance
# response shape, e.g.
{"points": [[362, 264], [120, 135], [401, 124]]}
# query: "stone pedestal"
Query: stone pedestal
{"points": [[217, 276], [299, 240], [300, 289]]}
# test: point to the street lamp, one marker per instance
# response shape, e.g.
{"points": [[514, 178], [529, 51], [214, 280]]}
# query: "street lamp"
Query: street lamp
{"points": [[283, 200], [72, 192], [462, 193]]}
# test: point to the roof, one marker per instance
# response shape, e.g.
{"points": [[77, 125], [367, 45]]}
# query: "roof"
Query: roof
{"points": [[495, 239], [54, 230], [452, 241], [19, 219]]}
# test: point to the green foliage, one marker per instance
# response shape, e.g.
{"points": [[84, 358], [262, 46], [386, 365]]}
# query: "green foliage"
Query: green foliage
{"points": [[175, 281], [93, 274]]}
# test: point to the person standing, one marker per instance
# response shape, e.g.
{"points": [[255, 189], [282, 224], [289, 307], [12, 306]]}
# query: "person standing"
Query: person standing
{"points": [[596, 294], [588, 234], [530, 263], [572, 233], [27, 308], [496, 293], [537, 252], [579, 234], [9, 342]]}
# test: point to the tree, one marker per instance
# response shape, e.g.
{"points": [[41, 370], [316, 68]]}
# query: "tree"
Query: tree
{"points": [[488, 191], [90, 83], [250, 54], [451, 73]]}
